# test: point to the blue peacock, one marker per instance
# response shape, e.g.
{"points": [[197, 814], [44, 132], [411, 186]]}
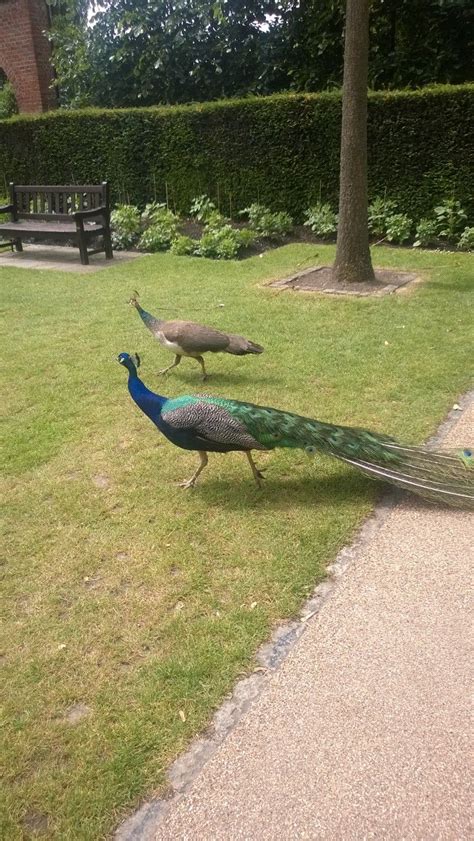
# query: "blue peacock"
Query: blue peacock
{"points": [[217, 424]]}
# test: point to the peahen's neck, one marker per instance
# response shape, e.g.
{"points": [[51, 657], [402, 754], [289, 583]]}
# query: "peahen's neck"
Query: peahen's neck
{"points": [[150, 320], [149, 402]]}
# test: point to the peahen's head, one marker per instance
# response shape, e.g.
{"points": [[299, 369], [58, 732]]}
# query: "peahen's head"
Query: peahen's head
{"points": [[134, 300], [130, 361]]}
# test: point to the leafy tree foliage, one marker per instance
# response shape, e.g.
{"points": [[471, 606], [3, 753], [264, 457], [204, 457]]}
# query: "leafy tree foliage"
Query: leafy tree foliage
{"points": [[144, 52]]}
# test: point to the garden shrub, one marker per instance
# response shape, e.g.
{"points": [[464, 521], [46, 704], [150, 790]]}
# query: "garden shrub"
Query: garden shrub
{"points": [[466, 241], [184, 246], [398, 227], [281, 151], [222, 243], [379, 212], [125, 222], [267, 224], [426, 232], [450, 219], [321, 219], [8, 104]]}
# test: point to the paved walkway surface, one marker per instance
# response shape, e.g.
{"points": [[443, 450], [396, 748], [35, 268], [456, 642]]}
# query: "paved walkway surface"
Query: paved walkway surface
{"points": [[363, 732], [60, 258]]}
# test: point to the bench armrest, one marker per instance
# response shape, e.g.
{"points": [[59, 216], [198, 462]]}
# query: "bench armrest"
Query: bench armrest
{"points": [[86, 214], [6, 208]]}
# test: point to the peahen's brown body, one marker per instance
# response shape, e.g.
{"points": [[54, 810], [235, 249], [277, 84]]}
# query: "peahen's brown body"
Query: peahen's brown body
{"points": [[187, 338]]}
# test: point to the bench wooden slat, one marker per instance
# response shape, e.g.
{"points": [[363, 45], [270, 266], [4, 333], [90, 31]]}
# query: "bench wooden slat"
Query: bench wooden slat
{"points": [[46, 211], [61, 188]]}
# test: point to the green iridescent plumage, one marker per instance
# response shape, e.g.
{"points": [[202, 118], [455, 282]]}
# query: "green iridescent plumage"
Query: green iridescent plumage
{"points": [[217, 424], [434, 474]]}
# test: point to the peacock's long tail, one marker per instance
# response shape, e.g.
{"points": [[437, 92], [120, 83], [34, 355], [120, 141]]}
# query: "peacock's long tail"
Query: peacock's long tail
{"points": [[439, 475]]}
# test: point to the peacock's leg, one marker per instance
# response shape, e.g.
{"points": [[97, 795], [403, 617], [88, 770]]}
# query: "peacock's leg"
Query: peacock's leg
{"points": [[257, 474], [201, 362], [176, 362], [192, 481]]}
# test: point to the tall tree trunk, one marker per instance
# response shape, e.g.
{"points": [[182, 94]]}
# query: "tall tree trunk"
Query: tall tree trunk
{"points": [[353, 261]]}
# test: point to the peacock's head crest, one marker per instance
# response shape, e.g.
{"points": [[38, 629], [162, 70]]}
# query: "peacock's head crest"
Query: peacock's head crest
{"points": [[131, 361]]}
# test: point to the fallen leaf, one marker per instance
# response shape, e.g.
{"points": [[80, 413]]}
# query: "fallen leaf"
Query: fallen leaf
{"points": [[182, 716]]}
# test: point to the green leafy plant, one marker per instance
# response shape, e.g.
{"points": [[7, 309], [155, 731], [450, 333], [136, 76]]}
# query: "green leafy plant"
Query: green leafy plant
{"points": [[125, 223], [466, 240], [321, 219], [247, 237], [157, 237], [398, 227], [266, 223], [4, 217], [161, 226], [8, 105], [202, 208], [184, 246], [450, 219], [379, 212], [426, 232], [156, 212], [221, 243], [216, 220]]}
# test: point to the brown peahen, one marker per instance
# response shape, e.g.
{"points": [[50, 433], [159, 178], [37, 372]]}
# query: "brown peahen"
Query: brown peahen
{"points": [[186, 338]]}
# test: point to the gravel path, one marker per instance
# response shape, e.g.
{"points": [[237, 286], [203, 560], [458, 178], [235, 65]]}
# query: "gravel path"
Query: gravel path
{"points": [[363, 732]]}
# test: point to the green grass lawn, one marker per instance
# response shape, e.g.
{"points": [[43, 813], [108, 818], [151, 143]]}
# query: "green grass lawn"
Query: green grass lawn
{"points": [[131, 596]]}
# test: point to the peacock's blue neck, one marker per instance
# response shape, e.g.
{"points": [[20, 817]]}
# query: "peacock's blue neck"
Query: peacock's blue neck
{"points": [[149, 402]]}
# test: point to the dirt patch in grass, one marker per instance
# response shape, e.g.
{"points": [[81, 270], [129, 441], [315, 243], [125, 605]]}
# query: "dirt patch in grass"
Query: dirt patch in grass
{"points": [[35, 823], [321, 279]]}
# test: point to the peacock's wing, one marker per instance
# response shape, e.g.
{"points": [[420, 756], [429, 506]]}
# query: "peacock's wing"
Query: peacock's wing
{"points": [[194, 338], [209, 423]]}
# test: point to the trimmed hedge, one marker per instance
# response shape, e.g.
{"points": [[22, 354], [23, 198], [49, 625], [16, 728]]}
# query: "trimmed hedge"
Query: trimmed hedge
{"points": [[281, 150]]}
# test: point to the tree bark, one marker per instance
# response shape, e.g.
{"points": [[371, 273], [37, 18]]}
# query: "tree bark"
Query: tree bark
{"points": [[353, 261]]}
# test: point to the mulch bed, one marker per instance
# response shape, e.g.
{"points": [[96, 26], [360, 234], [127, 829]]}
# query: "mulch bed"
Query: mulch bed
{"points": [[321, 279]]}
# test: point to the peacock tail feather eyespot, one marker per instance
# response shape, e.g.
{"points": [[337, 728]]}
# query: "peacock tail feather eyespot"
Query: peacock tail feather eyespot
{"points": [[467, 456]]}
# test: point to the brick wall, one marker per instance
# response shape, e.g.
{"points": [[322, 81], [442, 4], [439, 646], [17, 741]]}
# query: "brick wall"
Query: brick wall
{"points": [[25, 52]]}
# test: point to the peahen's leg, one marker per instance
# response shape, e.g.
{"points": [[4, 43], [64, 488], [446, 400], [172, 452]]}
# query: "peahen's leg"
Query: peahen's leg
{"points": [[201, 362], [192, 481], [257, 474], [176, 362]]}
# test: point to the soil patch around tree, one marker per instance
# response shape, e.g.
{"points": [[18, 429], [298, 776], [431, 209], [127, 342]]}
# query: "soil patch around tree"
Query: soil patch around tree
{"points": [[320, 279]]}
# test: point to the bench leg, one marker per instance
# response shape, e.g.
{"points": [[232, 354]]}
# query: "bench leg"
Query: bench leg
{"points": [[83, 251], [108, 246], [18, 245]]}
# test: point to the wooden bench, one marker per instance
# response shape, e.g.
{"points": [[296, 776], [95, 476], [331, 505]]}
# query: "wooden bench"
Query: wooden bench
{"points": [[77, 212]]}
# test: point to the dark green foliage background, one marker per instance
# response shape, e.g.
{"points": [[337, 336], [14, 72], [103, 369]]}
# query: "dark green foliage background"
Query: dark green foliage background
{"points": [[281, 150]]}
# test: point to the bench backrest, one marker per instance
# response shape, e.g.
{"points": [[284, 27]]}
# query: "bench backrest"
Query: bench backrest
{"points": [[33, 201]]}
